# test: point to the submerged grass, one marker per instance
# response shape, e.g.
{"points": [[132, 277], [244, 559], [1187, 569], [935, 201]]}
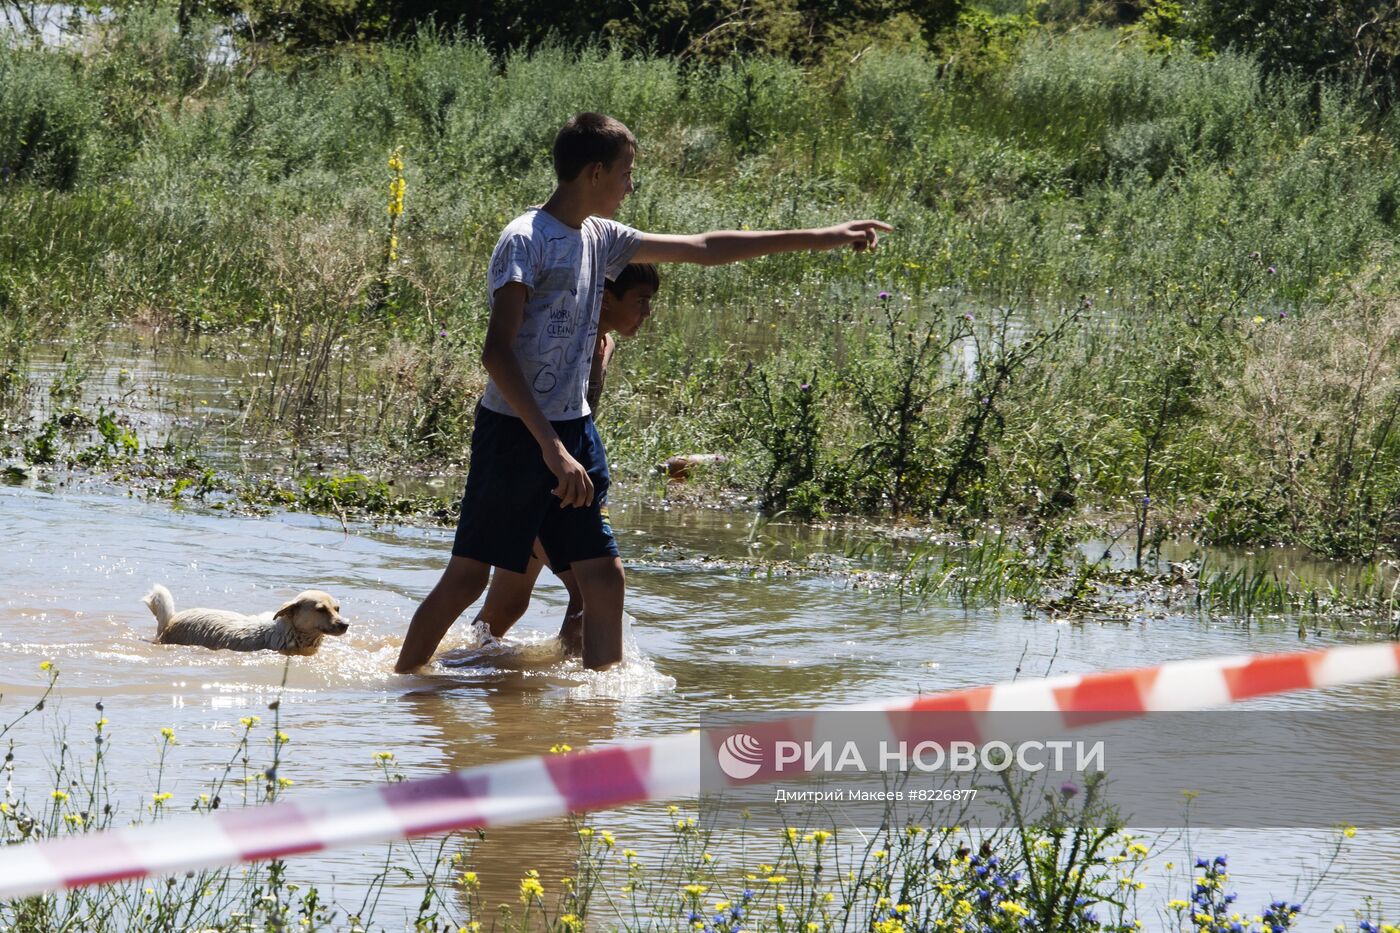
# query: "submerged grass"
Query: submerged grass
{"points": [[1074, 867]]}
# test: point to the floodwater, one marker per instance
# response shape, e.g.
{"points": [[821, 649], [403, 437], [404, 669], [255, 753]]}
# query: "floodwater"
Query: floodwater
{"points": [[705, 641]]}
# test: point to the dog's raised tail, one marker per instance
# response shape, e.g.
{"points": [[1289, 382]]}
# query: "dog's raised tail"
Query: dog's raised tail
{"points": [[162, 606]]}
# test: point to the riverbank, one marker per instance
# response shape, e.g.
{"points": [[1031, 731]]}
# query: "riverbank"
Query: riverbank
{"points": [[171, 446]]}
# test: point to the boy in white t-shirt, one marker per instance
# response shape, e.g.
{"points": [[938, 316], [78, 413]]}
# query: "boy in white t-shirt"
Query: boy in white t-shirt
{"points": [[626, 307], [538, 468]]}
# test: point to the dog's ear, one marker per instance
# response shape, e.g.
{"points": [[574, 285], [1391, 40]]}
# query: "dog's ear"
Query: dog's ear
{"points": [[287, 610]]}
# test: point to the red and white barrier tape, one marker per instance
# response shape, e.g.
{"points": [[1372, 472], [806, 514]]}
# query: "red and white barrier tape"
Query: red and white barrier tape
{"points": [[659, 769]]}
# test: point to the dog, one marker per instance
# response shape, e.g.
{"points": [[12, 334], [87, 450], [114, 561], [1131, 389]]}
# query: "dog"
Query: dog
{"points": [[296, 628]]}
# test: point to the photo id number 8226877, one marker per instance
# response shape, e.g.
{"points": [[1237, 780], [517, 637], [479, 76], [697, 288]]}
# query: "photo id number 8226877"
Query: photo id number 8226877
{"points": [[938, 794]]}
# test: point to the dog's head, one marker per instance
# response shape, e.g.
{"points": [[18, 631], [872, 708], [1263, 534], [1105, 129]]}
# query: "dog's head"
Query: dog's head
{"points": [[314, 613]]}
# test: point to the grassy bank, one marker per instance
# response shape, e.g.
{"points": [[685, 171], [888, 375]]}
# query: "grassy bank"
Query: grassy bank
{"points": [[1150, 285]]}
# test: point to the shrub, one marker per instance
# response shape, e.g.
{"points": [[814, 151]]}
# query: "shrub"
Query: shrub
{"points": [[46, 118]]}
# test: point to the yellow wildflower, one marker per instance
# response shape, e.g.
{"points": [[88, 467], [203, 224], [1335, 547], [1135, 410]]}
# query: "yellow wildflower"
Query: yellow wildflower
{"points": [[168, 734], [694, 890], [1013, 909], [1349, 832], [530, 889], [45, 665], [161, 797], [60, 795], [469, 878]]}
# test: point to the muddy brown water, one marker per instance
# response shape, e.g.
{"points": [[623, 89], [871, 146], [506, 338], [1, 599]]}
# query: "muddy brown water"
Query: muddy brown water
{"points": [[705, 641]]}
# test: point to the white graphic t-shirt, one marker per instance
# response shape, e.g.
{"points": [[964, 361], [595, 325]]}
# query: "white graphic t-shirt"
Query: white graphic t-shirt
{"points": [[563, 269]]}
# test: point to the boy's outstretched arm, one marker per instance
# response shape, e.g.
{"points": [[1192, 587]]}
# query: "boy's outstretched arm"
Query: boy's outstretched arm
{"points": [[498, 356], [721, 246]]}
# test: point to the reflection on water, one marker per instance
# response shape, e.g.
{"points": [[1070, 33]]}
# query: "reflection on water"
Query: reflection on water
{"points": [[703, 642]]}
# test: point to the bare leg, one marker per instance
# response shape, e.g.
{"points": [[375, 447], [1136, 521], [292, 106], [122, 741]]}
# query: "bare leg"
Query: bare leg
{"points": [[461, 583], [571, 632], [602, 584], [508, 597]]}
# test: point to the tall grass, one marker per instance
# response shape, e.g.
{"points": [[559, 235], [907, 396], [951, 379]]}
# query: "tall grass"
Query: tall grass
{"points": [[1165, 200]]}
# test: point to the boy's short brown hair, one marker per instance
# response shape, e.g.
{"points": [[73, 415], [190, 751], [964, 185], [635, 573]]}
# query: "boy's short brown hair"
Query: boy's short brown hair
{"points": [[589, 138], [634, 274]]}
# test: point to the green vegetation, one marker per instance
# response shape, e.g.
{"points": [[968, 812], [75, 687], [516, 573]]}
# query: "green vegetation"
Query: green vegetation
{"points": [[1072, 867], [1130, 277]]}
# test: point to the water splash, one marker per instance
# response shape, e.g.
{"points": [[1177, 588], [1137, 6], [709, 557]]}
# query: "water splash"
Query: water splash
{"points": [[528, 655]]}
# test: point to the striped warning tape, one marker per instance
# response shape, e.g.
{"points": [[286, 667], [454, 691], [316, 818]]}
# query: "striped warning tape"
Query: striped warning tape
{"points": [[666, 768]]}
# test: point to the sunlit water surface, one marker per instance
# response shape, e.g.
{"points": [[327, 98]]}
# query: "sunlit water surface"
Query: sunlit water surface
{"points": [[75, 560]]}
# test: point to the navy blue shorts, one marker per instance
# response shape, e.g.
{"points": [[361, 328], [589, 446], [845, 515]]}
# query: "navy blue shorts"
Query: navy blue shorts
{"points": [[508, 502]]}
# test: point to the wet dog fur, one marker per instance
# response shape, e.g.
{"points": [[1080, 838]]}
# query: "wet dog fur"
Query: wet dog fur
{"points": [[296, 628]]}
